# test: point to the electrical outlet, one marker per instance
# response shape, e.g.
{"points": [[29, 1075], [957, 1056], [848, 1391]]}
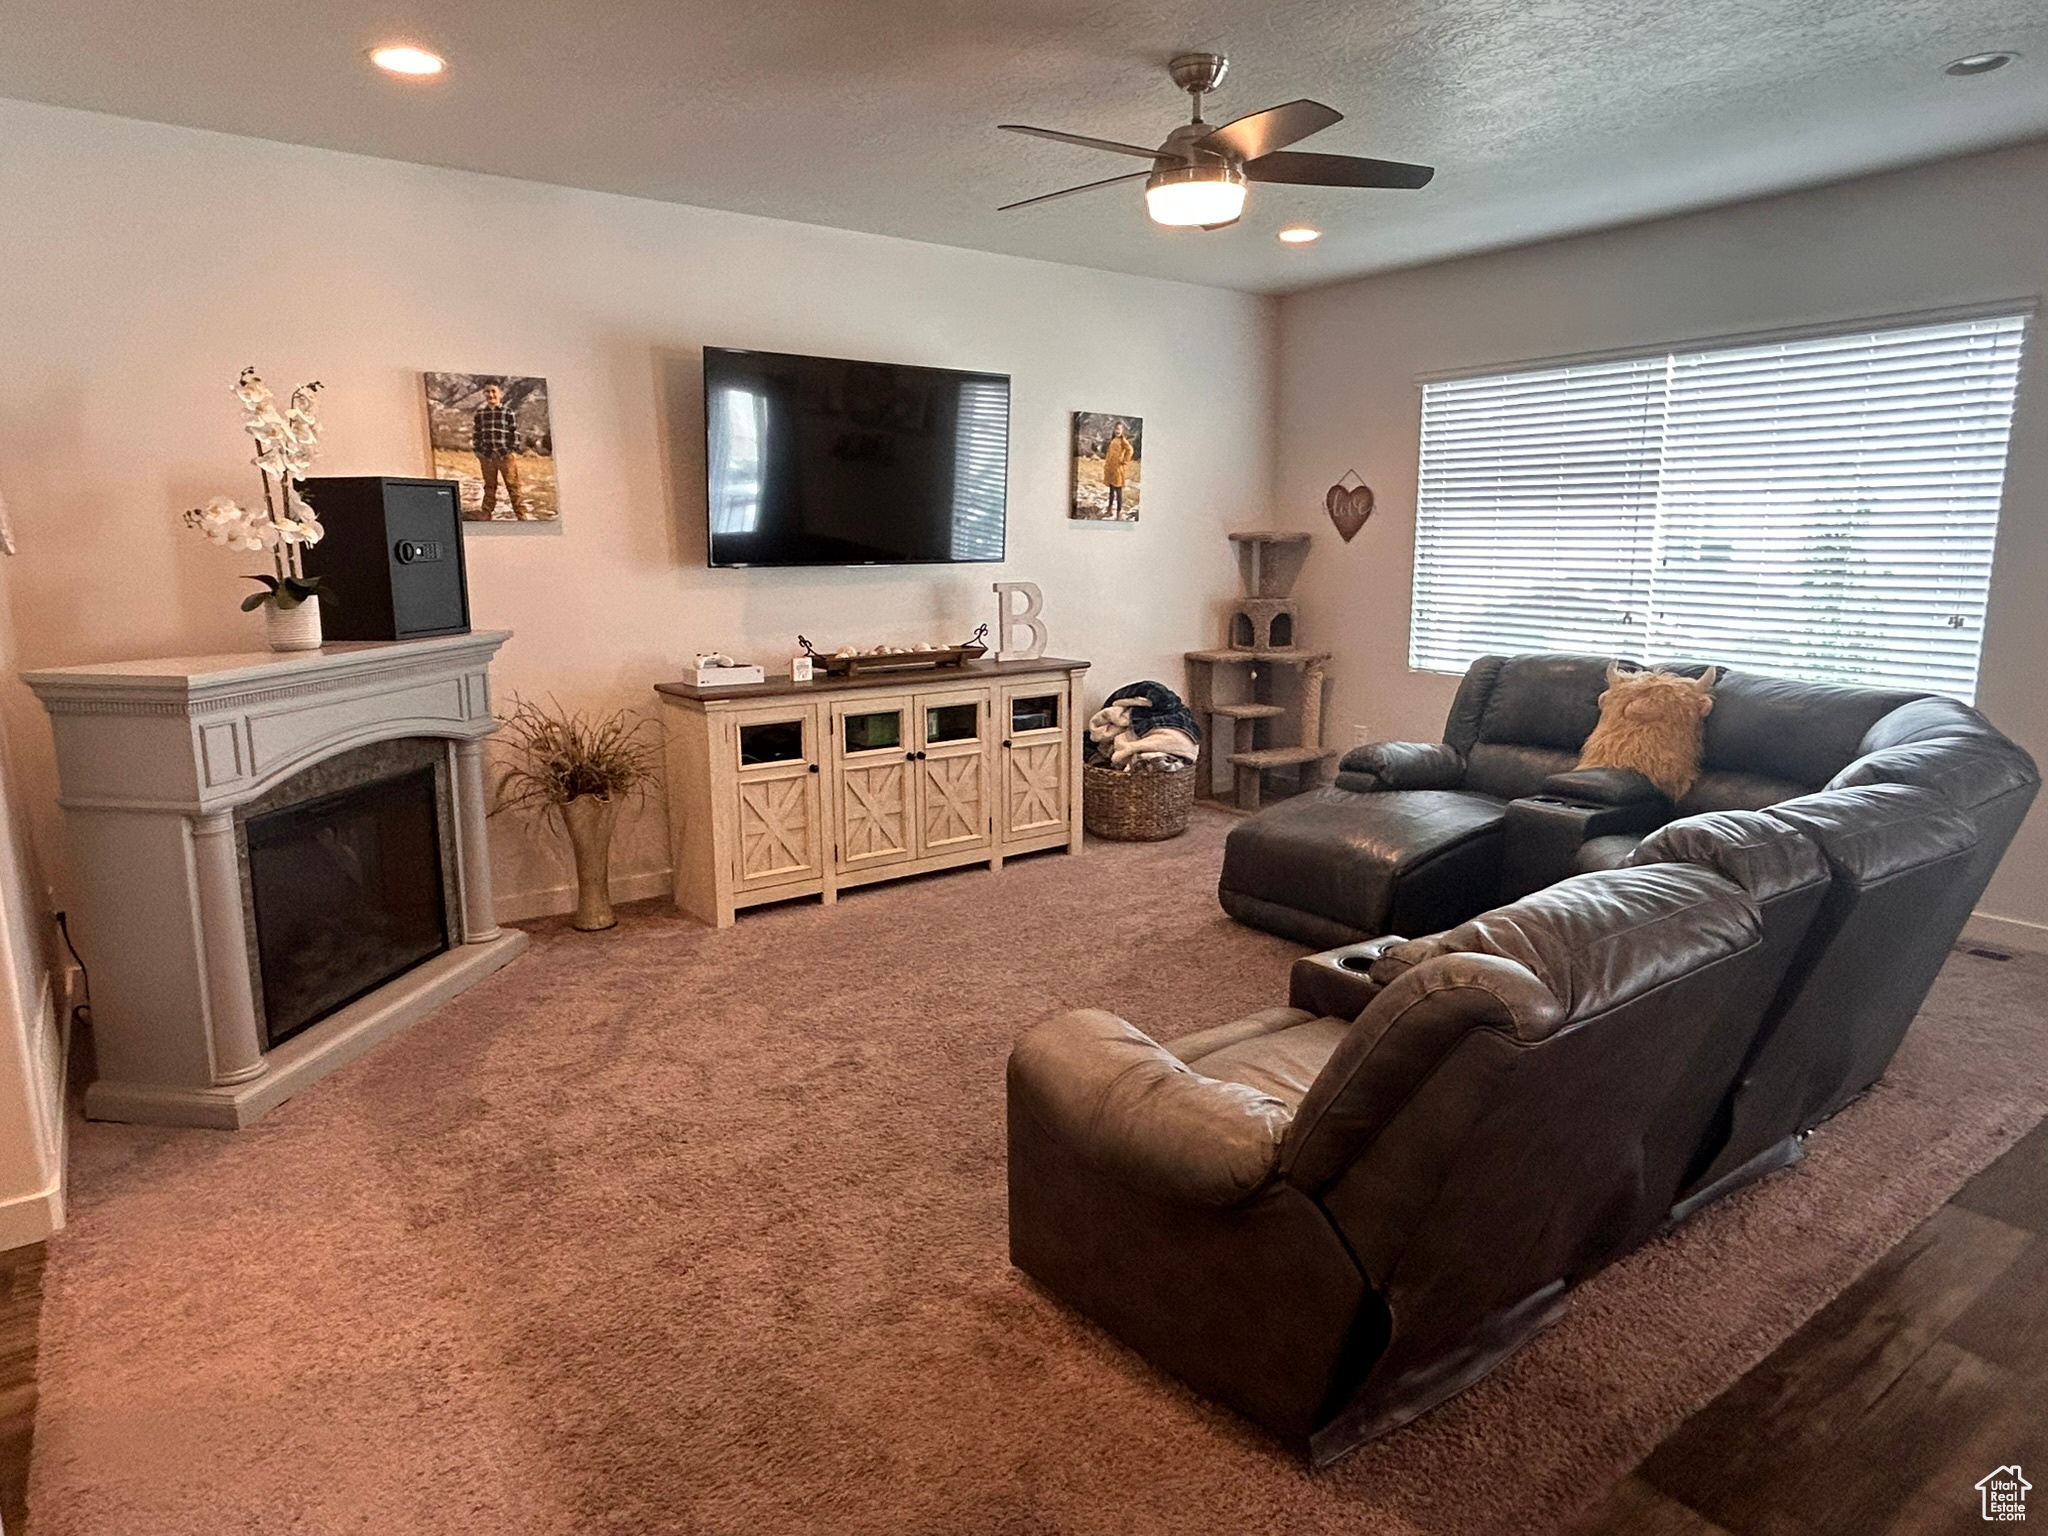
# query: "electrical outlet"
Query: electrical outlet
{"points": [[1361, 734]]}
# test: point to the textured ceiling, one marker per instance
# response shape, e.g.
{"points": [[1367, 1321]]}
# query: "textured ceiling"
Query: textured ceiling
{"points": [[1542, 116]]}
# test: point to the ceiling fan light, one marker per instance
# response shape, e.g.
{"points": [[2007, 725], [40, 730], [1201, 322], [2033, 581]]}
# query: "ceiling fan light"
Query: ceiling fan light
{"points": [[1188, 196]]}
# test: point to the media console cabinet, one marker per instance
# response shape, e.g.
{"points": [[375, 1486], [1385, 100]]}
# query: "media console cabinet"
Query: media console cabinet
{"points": [[780, 789]]}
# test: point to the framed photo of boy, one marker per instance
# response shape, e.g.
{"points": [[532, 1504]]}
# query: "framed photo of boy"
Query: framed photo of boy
{"points": [[490, 432], [1109, 452]]}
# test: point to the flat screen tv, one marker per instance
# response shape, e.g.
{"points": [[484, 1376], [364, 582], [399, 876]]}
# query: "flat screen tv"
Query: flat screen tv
{"points": [[822, 461]]}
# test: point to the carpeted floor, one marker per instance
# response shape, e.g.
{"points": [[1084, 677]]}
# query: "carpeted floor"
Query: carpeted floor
{"points": [[667, 1230]]}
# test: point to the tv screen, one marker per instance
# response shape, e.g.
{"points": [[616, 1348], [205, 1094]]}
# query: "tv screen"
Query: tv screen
{"points": [[821, 461]]}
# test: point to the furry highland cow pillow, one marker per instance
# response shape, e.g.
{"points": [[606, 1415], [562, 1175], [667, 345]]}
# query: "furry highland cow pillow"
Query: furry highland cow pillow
{"points": [[1653, 722]]}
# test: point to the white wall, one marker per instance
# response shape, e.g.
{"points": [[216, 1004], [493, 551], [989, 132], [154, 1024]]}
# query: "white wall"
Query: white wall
{"points": [[146, 265], [1964, 232]]}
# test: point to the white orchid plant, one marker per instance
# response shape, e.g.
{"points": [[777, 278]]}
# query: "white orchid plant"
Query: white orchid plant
{"points": [[284, 525]]}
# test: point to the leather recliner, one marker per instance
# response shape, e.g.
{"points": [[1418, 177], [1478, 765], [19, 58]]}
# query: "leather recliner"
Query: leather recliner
{"points": [[1335, 1215], [1899, 862], [1895, 870], [1863, 891]]}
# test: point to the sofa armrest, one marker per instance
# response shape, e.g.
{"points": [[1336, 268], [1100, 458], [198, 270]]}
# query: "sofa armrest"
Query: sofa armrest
{"points": [[1128, 1105], [1541, 835], [1401, 765], [1602, 786], [1335, 983]]}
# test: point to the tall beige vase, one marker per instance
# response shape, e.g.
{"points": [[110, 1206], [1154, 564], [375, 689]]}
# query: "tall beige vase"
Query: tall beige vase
{"points": [[590, 819]]}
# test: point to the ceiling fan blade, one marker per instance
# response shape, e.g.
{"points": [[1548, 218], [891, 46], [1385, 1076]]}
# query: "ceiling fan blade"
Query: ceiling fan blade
{"points": [[1086, 186], [1081, 139], [1275, 128], [1305, 170]]}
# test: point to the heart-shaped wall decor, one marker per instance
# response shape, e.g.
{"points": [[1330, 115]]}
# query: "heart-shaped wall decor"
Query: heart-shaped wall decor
{"points": [[1349, 509]]}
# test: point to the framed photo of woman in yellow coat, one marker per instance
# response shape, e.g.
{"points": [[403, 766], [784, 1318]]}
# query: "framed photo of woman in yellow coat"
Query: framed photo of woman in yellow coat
{"points": [[1108, 454]]}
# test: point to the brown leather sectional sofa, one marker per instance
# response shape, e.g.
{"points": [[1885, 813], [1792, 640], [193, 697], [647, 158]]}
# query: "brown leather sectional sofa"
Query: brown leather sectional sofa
{"points": [[1334, 1215]]}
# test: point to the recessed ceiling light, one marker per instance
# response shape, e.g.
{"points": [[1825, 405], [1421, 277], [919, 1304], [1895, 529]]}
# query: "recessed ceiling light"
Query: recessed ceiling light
{"points": [[1300, 234], [1979, 63], [405, 59]]}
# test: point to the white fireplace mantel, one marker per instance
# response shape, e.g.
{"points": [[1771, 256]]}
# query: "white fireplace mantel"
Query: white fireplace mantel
{"points": [[153, 759]]}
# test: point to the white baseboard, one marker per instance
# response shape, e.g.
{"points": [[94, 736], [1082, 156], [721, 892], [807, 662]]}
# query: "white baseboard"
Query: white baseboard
{"points": [[2007, 933], [554, 900], [34, 1216]]}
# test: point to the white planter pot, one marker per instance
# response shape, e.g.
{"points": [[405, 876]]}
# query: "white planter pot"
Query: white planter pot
{"points": [[293, 629]]}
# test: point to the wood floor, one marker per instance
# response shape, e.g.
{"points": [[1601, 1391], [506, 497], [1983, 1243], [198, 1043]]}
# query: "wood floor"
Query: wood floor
{"points": [[21, 1302], [1880, 1415], [1875, 1419]]}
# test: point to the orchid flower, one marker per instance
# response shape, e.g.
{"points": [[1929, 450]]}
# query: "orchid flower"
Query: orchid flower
{"points": [[228, 523], [285, 441], [252, 391], [300, 418], [300, 524]]}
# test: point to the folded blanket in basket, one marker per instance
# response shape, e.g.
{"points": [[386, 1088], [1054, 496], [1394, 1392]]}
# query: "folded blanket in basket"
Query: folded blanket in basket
{"points": [[1164, 743], [1143, 719]]}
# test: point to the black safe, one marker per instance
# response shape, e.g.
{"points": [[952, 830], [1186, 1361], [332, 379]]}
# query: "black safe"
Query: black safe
{"points": [[392, 554]]}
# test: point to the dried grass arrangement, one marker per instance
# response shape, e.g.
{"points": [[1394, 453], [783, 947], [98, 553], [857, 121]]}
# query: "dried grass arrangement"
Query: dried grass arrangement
{"points": [[578, 767], [558, 755]]}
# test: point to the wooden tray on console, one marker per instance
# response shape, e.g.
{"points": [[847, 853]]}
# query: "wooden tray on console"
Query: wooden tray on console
{"points": [[869, 664]]}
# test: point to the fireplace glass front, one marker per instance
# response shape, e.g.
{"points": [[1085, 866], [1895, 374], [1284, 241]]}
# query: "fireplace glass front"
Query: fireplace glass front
{"points": [[347, 893]]}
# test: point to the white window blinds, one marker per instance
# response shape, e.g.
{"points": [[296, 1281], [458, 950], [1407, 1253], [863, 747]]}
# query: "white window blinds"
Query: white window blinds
{"points": [[1822, 508]]}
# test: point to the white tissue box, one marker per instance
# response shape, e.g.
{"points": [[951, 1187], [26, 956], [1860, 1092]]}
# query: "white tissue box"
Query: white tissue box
{"points": [[726, 677]]}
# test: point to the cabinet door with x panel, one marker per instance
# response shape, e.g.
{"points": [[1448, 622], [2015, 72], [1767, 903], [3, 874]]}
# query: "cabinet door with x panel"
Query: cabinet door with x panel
{"points": [[873, 767], [953, 813], [1035, 762], [775, 801]]}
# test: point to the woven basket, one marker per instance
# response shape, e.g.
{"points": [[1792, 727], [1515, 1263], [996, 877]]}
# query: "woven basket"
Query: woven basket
{"points": [[1143, 805]]}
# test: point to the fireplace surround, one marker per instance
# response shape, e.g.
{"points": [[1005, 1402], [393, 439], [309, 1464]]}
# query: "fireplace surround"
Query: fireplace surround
{"points": [[180, 778]]}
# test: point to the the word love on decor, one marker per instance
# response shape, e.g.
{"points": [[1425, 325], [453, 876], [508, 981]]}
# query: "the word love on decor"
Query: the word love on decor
{"points": [[1349, 506]]}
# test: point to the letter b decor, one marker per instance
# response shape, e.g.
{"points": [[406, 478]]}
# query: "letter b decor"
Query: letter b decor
{"points": [[1010, 619]]}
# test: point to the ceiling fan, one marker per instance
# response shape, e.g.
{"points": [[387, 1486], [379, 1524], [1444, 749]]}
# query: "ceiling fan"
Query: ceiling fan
{"points": [[1198, 174]]}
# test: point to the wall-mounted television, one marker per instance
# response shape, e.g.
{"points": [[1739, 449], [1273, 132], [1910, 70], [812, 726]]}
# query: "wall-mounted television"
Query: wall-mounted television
{"points": [[824, 461]]}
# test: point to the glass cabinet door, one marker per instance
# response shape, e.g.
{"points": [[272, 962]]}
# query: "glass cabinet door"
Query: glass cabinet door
{"points": [[945, 724], [767, 742], [1035, 762], [777, 835], [952, 772], [1034, 711], [872, 782], [871, 730]]}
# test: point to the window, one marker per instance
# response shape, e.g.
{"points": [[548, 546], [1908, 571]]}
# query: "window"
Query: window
{"points": [[1822, 508]]}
